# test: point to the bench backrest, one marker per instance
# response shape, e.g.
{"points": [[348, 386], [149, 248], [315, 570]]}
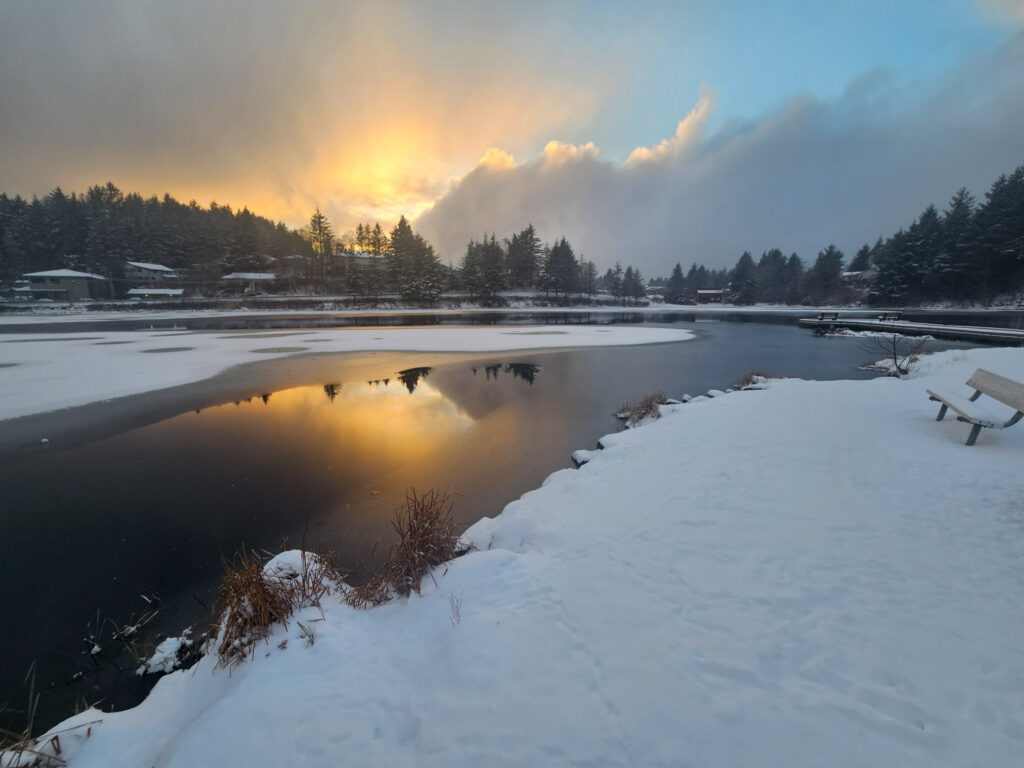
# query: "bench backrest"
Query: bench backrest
{"points": [[1006, 391]]}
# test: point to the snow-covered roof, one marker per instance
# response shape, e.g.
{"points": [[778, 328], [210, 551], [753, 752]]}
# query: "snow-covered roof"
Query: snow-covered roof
{"points": [[250, 276], [63, 273], [710, 290], [147, 265], [156, 291]]}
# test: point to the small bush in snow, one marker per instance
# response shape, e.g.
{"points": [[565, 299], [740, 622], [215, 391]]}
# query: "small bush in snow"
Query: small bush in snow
{"points": [[426, 538], [256, 595], [647, 408], [752, 378]]}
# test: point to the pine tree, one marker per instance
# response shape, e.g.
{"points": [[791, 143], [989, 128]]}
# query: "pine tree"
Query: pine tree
{"points": [[743, 280], [561, 268], [957, 267], [771, 277], [675, 288], [824, 278], [412, 266], [524, 254], [795, 277], [321, 237], [862, 261]]}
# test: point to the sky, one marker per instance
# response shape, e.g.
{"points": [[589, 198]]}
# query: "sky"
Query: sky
{"points": [[645, 133]]}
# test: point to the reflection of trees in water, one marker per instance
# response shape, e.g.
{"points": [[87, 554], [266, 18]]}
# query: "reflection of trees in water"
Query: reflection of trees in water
{"points": [[265, 397], [410, 377], [332, 390], [525, 371]]}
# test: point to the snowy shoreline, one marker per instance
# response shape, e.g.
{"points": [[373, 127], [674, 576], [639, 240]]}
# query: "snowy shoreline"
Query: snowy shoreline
{"points": [[810, 573]]}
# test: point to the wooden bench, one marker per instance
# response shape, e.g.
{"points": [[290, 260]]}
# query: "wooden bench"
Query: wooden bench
{"points": [[1006, 391], [828, 316], [889, 316]]}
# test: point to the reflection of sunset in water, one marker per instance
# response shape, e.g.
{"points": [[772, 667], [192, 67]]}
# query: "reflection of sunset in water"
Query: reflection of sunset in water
{"points": [[385, 422]]}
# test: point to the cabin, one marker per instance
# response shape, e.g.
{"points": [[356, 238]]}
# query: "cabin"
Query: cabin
{"points": [[68, 285], [143, 271], [249, 282], [709, 296], [156, 293]]}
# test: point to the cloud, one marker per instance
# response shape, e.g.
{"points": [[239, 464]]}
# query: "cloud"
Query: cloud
{"points": [[557, 153], [689, 131], [366, 109], [811, 173], [497, 159]]}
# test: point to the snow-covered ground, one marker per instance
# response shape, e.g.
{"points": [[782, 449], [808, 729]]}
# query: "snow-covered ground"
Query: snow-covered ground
{"points": [[808, 574], [43, 372]]}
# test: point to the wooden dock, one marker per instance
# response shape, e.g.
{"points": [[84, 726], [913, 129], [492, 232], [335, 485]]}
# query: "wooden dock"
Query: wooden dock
{"points": [[832, 321]]}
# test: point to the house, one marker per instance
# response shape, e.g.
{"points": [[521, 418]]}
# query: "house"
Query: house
{"points": [[155, 293], [68, 285], [366, 260], [249, 282], [145, 272], [709, 296]]}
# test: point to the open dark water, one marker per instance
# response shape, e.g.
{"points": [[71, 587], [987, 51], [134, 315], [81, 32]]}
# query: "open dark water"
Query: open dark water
{"points": [[91, 529]]}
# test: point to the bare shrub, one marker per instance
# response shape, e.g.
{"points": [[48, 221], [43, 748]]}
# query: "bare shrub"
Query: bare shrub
{"points": [[749, 379], [371, 593], [647, 407], [22, 750], [426, 538], [901, 352], [254, 596]]}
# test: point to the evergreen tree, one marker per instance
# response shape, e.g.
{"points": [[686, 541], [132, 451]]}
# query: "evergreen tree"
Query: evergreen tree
{"points": [[743, 280], [862, 261], [560, 268], [957, 272], [824, 278], [675, 288], [321, 237], [921, 249], [524, 255], [795, 277], [413, 268], [771, 277], [1000, 225]]}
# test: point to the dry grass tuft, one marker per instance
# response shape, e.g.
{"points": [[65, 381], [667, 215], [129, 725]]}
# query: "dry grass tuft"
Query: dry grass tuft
{"points": [[749, 379], [426, 538], [646, 408], [23, 750], [371, 593], [252, 600]]}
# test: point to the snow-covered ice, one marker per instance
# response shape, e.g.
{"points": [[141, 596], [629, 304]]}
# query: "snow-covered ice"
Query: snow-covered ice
{"points": [[807, 574], [51, 371]]}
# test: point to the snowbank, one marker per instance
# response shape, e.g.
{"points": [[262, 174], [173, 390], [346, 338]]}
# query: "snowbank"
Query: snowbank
{"points": [[44, 372], [802, 575]]}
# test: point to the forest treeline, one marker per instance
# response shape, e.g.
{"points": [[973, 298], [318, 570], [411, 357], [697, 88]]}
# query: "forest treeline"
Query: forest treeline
{"points": [[100, 230], [967, 252]]}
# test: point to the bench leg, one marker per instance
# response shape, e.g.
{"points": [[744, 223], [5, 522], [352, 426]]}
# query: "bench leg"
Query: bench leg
{"points": [[942, 412], [974, 434]]}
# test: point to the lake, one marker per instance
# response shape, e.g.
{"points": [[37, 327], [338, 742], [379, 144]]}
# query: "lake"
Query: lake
{"points": [[100, 533]]}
